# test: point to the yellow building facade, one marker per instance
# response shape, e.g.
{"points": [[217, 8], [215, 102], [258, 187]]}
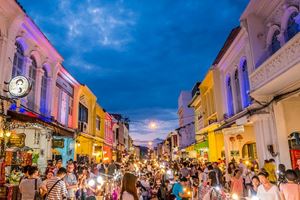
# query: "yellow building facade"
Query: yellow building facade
{"points": [[211, 110], [99, 130], [89, 143], [201, 145]]}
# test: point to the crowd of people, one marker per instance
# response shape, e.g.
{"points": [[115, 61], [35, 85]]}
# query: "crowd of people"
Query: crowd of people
{"points": [[190, 179], [161, 180], [82, 181]]}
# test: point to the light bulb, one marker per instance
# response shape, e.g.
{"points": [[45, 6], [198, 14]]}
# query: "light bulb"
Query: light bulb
{"points": [[91, 182], [7, 133], [235, 196], [100, 180]]}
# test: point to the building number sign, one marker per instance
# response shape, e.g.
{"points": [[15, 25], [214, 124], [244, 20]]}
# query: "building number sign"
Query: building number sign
{"points": [[19, 86]]}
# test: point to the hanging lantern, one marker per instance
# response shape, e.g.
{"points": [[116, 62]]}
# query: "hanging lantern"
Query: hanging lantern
{"points": [[239, 137], [232, 139]]}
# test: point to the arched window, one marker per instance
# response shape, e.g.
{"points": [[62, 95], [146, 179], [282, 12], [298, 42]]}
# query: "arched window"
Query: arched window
{"points": [[275, 43], [18, 61], [43, 102], [292, 27], [229, 96], [249, 151], [32, 79], [238, 90], [246, 85]]}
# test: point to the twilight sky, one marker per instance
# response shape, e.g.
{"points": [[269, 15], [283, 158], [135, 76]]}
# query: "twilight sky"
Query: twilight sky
{"points": [[137, 55]]}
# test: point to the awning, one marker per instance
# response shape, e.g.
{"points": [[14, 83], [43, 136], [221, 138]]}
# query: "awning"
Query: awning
{"points": [[57, 129], [201, 145]]}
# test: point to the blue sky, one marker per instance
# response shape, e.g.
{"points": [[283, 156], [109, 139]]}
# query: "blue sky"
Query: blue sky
{"points": [[137, 55]]}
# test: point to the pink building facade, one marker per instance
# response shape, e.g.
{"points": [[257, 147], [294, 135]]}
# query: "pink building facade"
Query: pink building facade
{"points": [[48, 113]]}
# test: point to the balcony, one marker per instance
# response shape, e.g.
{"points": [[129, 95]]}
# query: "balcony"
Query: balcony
{"points": [[277, 65]]}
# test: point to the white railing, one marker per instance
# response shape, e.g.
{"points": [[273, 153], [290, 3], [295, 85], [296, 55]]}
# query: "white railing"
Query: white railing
{"points": [[285, 58]]}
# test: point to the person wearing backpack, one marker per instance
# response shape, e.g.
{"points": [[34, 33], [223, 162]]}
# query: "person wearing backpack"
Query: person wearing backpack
{"points": [[56, 187], [30, 187]]}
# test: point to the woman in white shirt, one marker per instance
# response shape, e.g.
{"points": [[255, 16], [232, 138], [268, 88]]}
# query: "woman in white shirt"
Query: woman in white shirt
{"points": [[267, 191], [129, 190]]}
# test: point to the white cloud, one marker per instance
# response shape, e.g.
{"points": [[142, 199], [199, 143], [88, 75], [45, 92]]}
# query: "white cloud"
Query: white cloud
{"points": [[109, 26], [96, 23]]}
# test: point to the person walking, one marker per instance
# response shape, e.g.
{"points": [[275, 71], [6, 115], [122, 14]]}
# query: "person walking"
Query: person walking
{"points": [[178, 189], [49, 176], [270, 168], [290, 190], [237, 183], [30, 186], [267, 191], [129, 190], [212, 176], [219, 174], [56, 187], [58, 165], [112, 168], [254, 187], [71, 181]]}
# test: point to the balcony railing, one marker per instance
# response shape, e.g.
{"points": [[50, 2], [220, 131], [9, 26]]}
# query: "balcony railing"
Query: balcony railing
{"points": [[285, 58]]}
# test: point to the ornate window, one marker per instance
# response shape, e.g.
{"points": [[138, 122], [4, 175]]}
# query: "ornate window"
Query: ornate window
{"points": [[238, 90], [275, 43], [229, 96], [292, 27], [32, 79], [246, 85], [18, 63], [43, 102]]}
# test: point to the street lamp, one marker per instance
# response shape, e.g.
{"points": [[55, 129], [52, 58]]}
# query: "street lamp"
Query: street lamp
{"points": [[152, 125]]}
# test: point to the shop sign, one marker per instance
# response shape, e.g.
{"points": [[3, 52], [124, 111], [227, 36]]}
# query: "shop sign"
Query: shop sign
{"points": [[295, 155], [201, 138], [17, 140], [233, 130], [58, 143], [97, 149]]}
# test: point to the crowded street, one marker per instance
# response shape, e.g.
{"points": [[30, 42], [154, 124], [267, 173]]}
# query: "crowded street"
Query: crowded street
{"points": [[159, 179], [150, 100]]}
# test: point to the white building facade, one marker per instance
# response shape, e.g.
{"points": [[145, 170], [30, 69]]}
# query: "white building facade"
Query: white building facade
{"points": [[233, 62], [273, 29], [186, 128]]}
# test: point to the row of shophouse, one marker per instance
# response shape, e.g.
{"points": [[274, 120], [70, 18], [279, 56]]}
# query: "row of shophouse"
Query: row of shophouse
{"points": [[247, 106], [60, 118]]}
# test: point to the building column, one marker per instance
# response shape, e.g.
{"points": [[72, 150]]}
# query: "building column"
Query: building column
{"points": [[49, 96], [27, 65], [38, 86], [3, 62], [212, 147], [282, 135], [265, 134], [45, 149]]}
